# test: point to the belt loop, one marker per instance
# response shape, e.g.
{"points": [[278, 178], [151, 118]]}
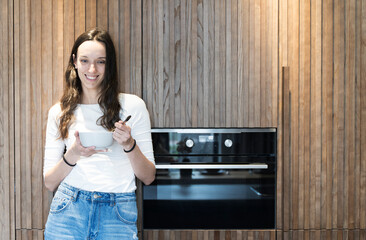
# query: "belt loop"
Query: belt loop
{"points": [[112, 199], [75, 196]]}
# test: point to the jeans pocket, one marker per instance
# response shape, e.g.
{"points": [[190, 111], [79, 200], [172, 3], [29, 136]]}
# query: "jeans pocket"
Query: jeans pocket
{"points": [[60, 202], [126, 211]]}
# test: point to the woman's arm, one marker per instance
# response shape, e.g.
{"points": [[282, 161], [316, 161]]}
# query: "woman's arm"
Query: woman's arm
{"points": [[54, 176], [143, 168]]}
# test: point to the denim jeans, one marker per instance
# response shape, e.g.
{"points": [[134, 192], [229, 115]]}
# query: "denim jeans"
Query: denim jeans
{"points": [[83, 215]]}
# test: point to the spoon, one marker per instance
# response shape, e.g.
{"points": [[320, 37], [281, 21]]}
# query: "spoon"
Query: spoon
{"points": [[127, 118]]}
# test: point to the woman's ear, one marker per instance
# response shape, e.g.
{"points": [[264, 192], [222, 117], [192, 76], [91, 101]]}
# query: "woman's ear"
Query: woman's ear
{"points": [[74, 60]]}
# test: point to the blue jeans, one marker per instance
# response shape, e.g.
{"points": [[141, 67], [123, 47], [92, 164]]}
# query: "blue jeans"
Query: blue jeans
{"points": [[83, 215]]}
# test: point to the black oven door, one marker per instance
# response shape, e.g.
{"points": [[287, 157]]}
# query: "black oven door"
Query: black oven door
{"points": [[210, 196]]}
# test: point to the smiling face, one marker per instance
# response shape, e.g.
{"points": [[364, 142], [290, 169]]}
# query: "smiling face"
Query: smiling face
{"points": [[90, 65]]}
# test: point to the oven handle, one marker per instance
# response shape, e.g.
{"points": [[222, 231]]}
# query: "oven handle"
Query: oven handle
{"points": [[213, 166]]}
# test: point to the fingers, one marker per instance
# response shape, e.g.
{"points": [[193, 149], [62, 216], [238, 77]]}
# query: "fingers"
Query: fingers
{"points": [[77, 137], [84, 151], [122, 130], [122, 133], [121, 125]]}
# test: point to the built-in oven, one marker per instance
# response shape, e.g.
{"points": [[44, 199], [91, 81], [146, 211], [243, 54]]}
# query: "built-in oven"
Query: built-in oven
{"points": [[212, 179]]}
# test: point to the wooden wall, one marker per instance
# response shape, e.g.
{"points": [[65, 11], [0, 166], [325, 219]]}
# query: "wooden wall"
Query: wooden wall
{"points": [[36, 40], [211, 63], [324, 175], [203, 63]]}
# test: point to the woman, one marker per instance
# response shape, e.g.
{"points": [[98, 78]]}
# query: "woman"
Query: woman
{"points": [[95, 198]]}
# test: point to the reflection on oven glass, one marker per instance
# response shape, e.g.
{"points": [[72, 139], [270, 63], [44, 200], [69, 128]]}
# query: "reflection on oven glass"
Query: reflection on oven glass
{"points": [[202, 192], [193, 191]]}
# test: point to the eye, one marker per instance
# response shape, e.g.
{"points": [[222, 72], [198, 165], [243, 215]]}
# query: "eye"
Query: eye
{"points": [[101, 62], [83, 60]]}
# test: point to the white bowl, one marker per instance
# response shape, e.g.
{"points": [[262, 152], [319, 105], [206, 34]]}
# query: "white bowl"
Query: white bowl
{"points": [[100, 140]]}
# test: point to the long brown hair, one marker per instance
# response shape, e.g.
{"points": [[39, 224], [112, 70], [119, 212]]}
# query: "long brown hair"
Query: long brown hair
{"points": [[108, 99]]}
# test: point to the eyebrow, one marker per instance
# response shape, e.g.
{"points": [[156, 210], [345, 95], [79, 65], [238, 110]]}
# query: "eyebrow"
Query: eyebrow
{"points": [[87, 57]]}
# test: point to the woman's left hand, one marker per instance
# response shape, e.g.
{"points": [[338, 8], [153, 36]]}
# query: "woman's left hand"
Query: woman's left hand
{"points": [[122, 134]]}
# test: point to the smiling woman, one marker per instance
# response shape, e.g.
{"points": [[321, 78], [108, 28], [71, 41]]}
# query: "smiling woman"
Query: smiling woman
{"points": [[93, 184], [90, 65]]}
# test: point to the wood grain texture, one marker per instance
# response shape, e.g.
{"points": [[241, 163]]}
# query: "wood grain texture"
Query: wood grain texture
{"points": [[326, 169], [214, 65], [315, 108], [203, 63], [285, 150], [293, 57], [327, 114], [339, 113], [363, 117], [355, 234], [209, 234], [304, 115], [7, 58], [44, 33]]}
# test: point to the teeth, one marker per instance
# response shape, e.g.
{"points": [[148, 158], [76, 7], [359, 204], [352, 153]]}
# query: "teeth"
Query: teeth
{"points": [[92, 78]]}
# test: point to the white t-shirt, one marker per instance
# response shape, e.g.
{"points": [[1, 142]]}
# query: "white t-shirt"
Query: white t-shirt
{"points": [[103, 172]]}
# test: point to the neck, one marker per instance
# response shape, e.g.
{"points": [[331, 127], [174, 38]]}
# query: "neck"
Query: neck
{"points": [[89, 98]]}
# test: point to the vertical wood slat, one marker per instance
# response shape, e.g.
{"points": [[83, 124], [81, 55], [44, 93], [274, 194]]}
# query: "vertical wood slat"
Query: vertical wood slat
{"points": [[233, 66], [158, 81], [304, 114], [136, 48], [315, 131], [20, 41], [123, 42], [183, 80], [80, 16], [7, 59], [358, 93], [293, 58], [350, 116], [327, 114], [363, 117], [285, 151], [228, 67], [193, 66], [90, 14], [147, 48], [177, 65], [339, 113], [24, 132], [102, 14], [36, 144], [169, 13], [275, 61]]}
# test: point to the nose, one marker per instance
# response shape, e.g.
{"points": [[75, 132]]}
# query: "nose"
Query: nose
{"points": [[92, 68]]}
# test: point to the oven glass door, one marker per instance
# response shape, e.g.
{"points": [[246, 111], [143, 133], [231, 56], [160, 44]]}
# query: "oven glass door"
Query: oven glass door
{"points": [[232, 196]]}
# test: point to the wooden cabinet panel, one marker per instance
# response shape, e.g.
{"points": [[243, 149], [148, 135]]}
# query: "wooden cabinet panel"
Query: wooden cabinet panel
{"points": [[210, 63]]}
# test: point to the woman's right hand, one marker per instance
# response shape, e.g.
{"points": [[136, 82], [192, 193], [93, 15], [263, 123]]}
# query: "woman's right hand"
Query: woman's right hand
{"points": [[55, 175], [77, 149]]}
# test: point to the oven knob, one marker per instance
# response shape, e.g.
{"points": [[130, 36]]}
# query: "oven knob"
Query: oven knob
{"points": [[189, 143], [228, 143]]}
